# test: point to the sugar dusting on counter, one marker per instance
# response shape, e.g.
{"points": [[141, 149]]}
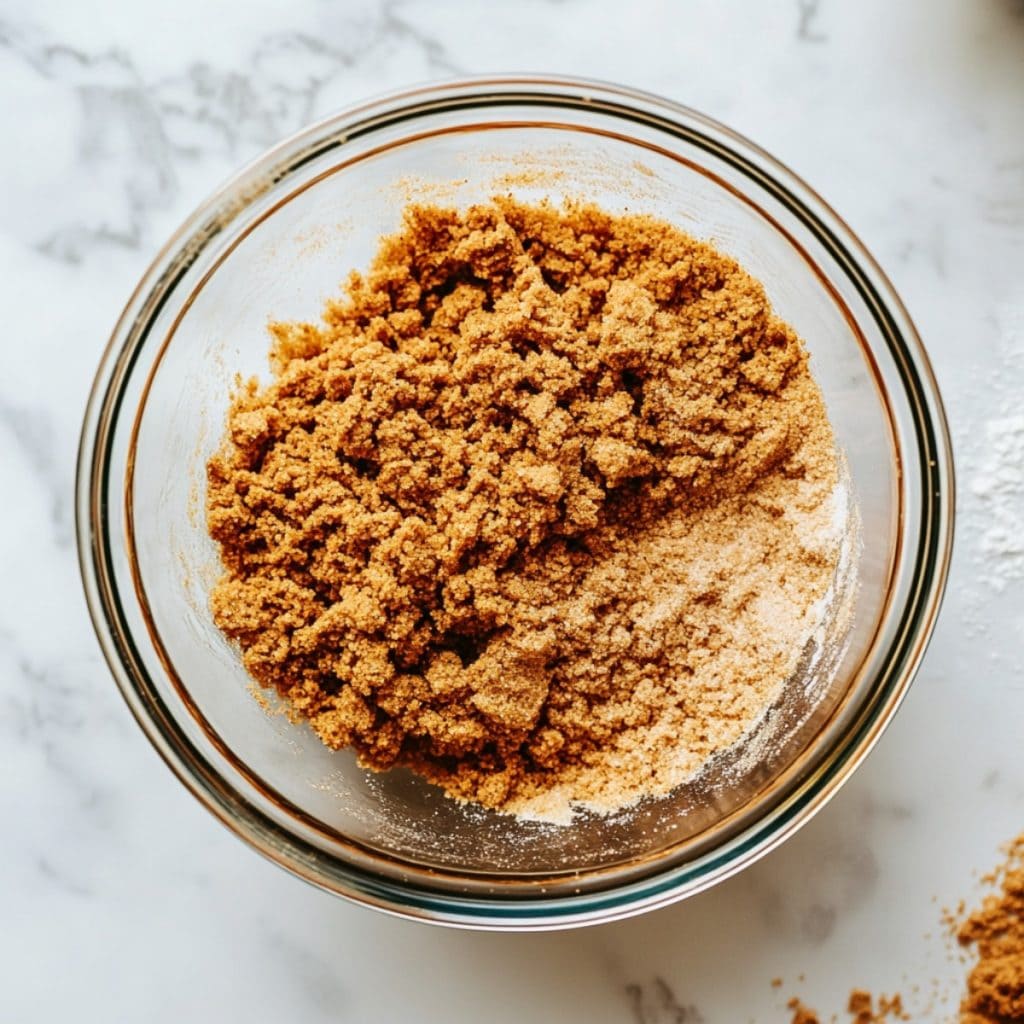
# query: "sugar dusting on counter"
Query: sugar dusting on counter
{"points": [[998, 489]]}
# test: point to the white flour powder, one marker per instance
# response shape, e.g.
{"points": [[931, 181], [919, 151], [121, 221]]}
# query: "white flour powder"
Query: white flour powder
{"points": [[998, 492]]}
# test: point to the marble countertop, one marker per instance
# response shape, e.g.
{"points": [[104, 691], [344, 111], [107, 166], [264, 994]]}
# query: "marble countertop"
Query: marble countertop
{"points": [[121, 899]]}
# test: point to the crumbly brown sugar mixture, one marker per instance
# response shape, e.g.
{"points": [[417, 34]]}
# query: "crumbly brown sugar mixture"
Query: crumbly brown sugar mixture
{"points": [[995, 985], [861, 1006], [994, 931], [542, 508]]}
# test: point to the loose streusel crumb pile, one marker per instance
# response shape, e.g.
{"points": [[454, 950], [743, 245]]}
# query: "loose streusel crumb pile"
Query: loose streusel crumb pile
{"points": [[543, 508], [995, 931]]}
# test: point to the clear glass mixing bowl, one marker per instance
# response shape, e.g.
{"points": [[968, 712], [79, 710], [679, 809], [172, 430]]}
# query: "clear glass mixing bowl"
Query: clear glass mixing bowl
{"points": [[275, 242]]}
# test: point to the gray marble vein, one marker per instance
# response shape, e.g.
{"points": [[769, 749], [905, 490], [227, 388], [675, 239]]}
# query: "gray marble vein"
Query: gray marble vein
{"points": [[807, 30]]}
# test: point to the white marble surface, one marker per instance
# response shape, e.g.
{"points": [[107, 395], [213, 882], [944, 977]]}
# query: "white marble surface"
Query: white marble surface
{"points": [[120, 898]]}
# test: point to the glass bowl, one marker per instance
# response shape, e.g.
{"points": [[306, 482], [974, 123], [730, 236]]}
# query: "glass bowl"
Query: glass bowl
{"points": [[275, 242]]}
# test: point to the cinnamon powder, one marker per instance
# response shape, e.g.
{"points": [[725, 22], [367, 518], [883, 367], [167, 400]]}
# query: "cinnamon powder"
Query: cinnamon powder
{"points": [[543, 507]]}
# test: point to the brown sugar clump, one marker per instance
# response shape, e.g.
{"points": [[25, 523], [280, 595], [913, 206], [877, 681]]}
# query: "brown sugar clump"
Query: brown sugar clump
{"points": [[802, 1014], [863, 1009], [541, 509], [995, 986], [861, 1006]]}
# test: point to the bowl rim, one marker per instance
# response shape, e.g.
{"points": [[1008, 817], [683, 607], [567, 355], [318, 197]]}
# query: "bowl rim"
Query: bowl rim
{"points": [[654, 889]]}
